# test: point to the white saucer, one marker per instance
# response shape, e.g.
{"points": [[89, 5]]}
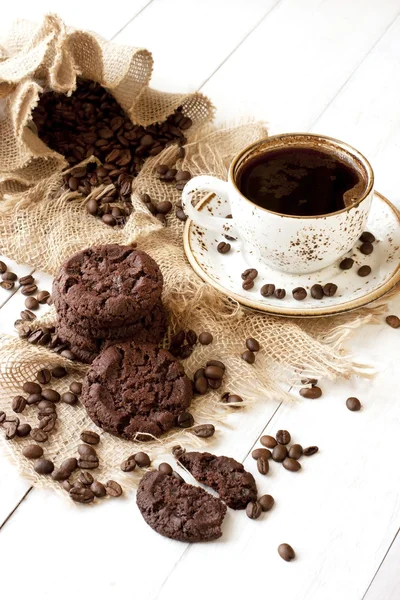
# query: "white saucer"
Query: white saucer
{"points": [[223, 271]]}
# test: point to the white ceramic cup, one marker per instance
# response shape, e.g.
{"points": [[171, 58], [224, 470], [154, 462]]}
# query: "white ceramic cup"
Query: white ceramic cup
{"points": [[288, 243]]}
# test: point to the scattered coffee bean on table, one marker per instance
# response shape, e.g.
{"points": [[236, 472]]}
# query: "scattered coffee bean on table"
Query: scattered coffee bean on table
{"points": [[330, 289], [59, 372], [60, 474], [266, 502], [113, 488], [267, 290], [28, 290], [43, 376], [317, 292], [9, 276], [279, 453], [3, 267], [268, 441], [228, 398], [76, 388], [291, 464], [204, 431], [27, 315], [23, 430], [248, 284], [205, 338], [90, 437], [249, 274], [86, 478], [165, 468], [39, 435], [18, 404], [10, 426], [185, 420], [31, 303], [286, 552], [30, 387], [393, 321], [310, 450], [366, 248], [43, 466], [311, 393], [98, 489], [283, 437], [280, 293], [82, 495], [299, 293], [261, 453], [69, 398], [69, 464], [252, 344], [262, 465], [353, 404], [129, 464], [43, 296], [7, 285], [32, 451], [346, 264], [295, 451], [223, 247], [51, 395], [364, 271], [142, 459], [249, 356], [367, 236], [253, 510]]}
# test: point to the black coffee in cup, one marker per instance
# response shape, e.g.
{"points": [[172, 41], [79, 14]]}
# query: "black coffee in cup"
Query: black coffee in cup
{"points": [[300, 181]]}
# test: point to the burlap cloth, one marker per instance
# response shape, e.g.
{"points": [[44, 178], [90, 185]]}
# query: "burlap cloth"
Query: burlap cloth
{"points": [[42, 226]]}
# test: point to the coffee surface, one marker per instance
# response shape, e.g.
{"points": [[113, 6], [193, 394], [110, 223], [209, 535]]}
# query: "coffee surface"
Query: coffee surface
{"points": [[300, 181]]}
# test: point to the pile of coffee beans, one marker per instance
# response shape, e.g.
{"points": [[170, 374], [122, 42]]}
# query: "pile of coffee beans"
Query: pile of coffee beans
{"points": [[182, 343], [312, 392], [249, 276], [90, 123], [209, 376], [34, 298], [44, 336], [276, 448], [253, 346]]}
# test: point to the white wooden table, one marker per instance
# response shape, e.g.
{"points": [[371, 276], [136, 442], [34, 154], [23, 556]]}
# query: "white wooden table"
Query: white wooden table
{"points": [[327, 66]]}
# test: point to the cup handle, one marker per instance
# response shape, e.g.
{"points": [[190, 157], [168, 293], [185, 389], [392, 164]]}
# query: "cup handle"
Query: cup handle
{"points": [[207, 184]]}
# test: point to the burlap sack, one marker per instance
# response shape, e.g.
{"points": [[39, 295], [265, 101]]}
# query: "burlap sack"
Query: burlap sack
{"points": [[51, 56], [42, 226]]}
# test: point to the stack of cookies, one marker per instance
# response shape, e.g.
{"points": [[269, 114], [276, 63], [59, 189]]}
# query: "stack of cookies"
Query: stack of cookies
{"points": [[108, 294]]}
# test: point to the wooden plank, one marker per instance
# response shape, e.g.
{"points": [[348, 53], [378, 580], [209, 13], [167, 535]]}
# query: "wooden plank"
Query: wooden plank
{"points": [[106, 21], [288, 70], [189, 40]]}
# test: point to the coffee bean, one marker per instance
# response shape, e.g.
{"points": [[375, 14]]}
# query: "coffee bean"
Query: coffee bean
{"points": [[26, 280], [266, 502], [295, 451], [84, 451], [129, 464], [330, 289], [366, 248], [310, 450], [9, 276], [47, 405], [98, 489], [31, 303], [253, 510], [291, 464], [252, 344], [280, 293], [185, 420], [90, 437], [27, 315], [43, 297], [7, 285], [47, 423], [286, 552], [180, 214], [164, 207], [201, 385], [39, 435], [205, 338], [3, 267], [30, 387], [262, 465], [69, 398], [346, 264], [35, 337], [88, 462], [311, 393], [279, 453], [28, 290], [214, 372], [59, 372], [316, 291], [83, 495], [364, 271], [366, 236], [165, 468], [23, 430], [76, 387], [32, 451], [223, 247], [249, 274], [68, 354], [113, 488], [249, 356], [261, 453], [43, 376], [69, 464], [267, 290], [10, 428], [353, 404], [142, 459], [60, 474], [248, 284], [18, 404], [283, 437], [204, 431], [52, 395], [393, 321], [66, 485], [232, 398], [43, 466], [86, 478], [268, 441], [299, 293], [216, 363], [191, 337]]}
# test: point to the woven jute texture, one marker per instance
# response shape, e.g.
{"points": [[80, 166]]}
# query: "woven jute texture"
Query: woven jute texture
{"points": [[45, 231], [50, 57]]}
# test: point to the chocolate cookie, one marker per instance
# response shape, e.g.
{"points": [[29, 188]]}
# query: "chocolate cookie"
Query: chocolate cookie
{"points": [[131, 389], [178, 510], [225, 475], [112, 285], [149, 328]]}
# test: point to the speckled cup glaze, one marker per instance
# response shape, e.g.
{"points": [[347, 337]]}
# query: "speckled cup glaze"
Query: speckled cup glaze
{"points": [[288, 243]]}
